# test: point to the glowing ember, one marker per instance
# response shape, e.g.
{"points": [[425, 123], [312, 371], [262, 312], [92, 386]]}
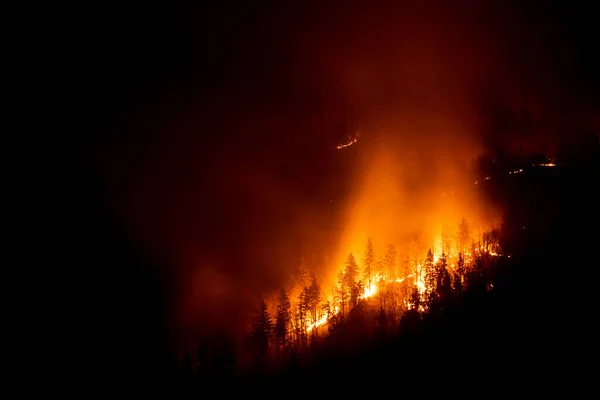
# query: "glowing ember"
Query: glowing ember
{"points": [[350, 143]]}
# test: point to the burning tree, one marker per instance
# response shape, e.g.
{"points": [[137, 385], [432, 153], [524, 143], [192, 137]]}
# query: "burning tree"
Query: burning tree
{"points": [[313, 298], [354, 289], [429, 278], [443, 285], [459, 274], [341, 294], [369, 260], [404, 293]]}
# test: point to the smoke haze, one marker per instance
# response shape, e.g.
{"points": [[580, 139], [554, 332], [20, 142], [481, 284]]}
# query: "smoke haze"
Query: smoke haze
{"points": [[229, 177]]}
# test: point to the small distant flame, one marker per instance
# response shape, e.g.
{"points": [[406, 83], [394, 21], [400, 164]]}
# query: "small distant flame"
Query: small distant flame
{"points": [[350, 143]]}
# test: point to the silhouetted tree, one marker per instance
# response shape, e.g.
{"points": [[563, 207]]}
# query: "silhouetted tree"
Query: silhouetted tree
{"points": [[369, 260], [313, 300], [341, 293], [349, 278], [415, 301], [351, 268], [282, 320], [443, 279], [262, 332], [429, 278], [459, 274], [302, 314], [490, 241], [356, 291]]}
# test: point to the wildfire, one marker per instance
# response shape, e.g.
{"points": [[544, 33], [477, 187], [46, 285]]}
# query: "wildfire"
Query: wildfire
{"points": [[370, 290], [350, 143], [317, 324], [518, 171], [418, 280]]}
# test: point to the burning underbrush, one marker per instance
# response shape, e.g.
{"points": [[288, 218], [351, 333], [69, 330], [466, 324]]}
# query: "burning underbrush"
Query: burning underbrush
{"points": [[373, 293]]}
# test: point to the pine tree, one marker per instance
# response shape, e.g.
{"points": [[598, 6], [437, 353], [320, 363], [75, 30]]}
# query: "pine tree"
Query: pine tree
{"points": [[415, 301], [356, 292], [262, 331], [314, 297], [350, 275], [369, 260], [282, 320], [351, 268], [303, 314], [341, 293], [459, 274], [443, 281], [429, 277]]}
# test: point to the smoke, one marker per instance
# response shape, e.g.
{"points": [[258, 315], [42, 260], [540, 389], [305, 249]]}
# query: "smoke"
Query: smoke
{"points": [[229, 189], [416, 75]]}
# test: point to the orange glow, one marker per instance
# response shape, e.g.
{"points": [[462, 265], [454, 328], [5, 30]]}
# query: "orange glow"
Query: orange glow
{"points": [[396, 201], [320, 322], [349, 143]]}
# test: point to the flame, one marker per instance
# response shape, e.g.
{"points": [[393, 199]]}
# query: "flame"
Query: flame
{"points": [[381, 210], [417, 280], [317, 324], [370, 290], [350, 143]]}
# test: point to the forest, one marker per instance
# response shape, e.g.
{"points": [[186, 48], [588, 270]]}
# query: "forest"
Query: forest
{"points": [[374, 297], [479, 306]]}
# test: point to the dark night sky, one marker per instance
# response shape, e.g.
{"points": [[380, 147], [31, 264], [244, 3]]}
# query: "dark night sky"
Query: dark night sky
{"points": [[185, 104]]}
